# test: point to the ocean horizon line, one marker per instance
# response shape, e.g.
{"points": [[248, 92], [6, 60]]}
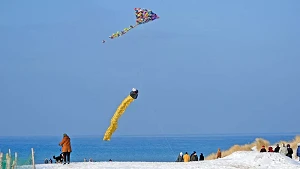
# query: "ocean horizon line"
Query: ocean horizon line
{"points": [[160, 135]]}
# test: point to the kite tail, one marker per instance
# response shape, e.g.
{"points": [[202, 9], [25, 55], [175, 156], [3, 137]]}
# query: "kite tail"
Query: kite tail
{"points": [[121, 33], [114, 120]]}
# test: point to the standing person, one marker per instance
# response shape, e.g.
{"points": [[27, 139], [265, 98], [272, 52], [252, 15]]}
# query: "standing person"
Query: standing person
{"points": [[219, 154], [277, 148], [283, 150], [298, 150], [290, 151], [66, 148]]}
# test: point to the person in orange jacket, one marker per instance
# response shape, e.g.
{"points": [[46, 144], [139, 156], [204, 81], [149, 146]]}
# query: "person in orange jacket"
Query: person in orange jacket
{"points": [[66, 148], [219, 154], [186, 157]]}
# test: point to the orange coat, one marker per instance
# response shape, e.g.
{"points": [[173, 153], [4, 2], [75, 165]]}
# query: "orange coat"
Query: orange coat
{"points": [[66, 144], [186, 158], [219, 153]]}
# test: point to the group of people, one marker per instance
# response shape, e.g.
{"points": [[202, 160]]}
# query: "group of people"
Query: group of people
{"points": [[90, 160], [284, 150], [186, 157]]}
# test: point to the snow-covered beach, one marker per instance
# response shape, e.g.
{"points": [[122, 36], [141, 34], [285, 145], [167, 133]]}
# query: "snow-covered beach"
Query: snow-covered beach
{"points": [[237, 160]]}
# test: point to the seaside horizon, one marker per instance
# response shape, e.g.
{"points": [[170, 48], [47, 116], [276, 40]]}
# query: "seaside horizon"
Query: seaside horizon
{"points": [[258, 134]]}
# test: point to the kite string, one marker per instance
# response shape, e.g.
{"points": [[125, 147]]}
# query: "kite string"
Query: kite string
{"points": [[140, 74], [139, 78], [166, 139]]}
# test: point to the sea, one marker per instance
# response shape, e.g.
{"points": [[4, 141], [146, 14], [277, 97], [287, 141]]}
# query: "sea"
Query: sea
{"points": [[128, 148]]}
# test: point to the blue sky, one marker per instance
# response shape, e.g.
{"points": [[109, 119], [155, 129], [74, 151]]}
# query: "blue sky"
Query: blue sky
{"points": [[205, 67]]}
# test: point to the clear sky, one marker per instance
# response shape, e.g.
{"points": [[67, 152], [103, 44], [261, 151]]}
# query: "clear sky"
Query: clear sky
{"points": [[205, 67]]}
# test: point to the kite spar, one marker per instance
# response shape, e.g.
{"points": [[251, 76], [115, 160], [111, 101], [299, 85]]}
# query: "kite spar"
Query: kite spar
{"points": [[121, 109]]}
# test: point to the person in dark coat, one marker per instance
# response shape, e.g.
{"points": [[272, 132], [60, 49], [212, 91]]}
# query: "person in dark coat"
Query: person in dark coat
{"points": [[263, 149], [277, 148], [201, 157], [290, 151], [180, 157], [194, 156]]}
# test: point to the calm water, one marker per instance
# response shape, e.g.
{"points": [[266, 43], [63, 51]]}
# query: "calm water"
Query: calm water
{"points": [[128, 148]]}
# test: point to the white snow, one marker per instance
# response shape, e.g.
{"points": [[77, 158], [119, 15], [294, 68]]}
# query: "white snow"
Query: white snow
{"points": [[254, 148], [237, 160]]}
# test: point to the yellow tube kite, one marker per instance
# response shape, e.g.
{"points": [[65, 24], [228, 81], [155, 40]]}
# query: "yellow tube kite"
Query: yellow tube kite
{"points": [[121, 109]]}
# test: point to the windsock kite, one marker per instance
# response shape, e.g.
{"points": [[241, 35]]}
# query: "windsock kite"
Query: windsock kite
{"points": [[121, 109]]}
